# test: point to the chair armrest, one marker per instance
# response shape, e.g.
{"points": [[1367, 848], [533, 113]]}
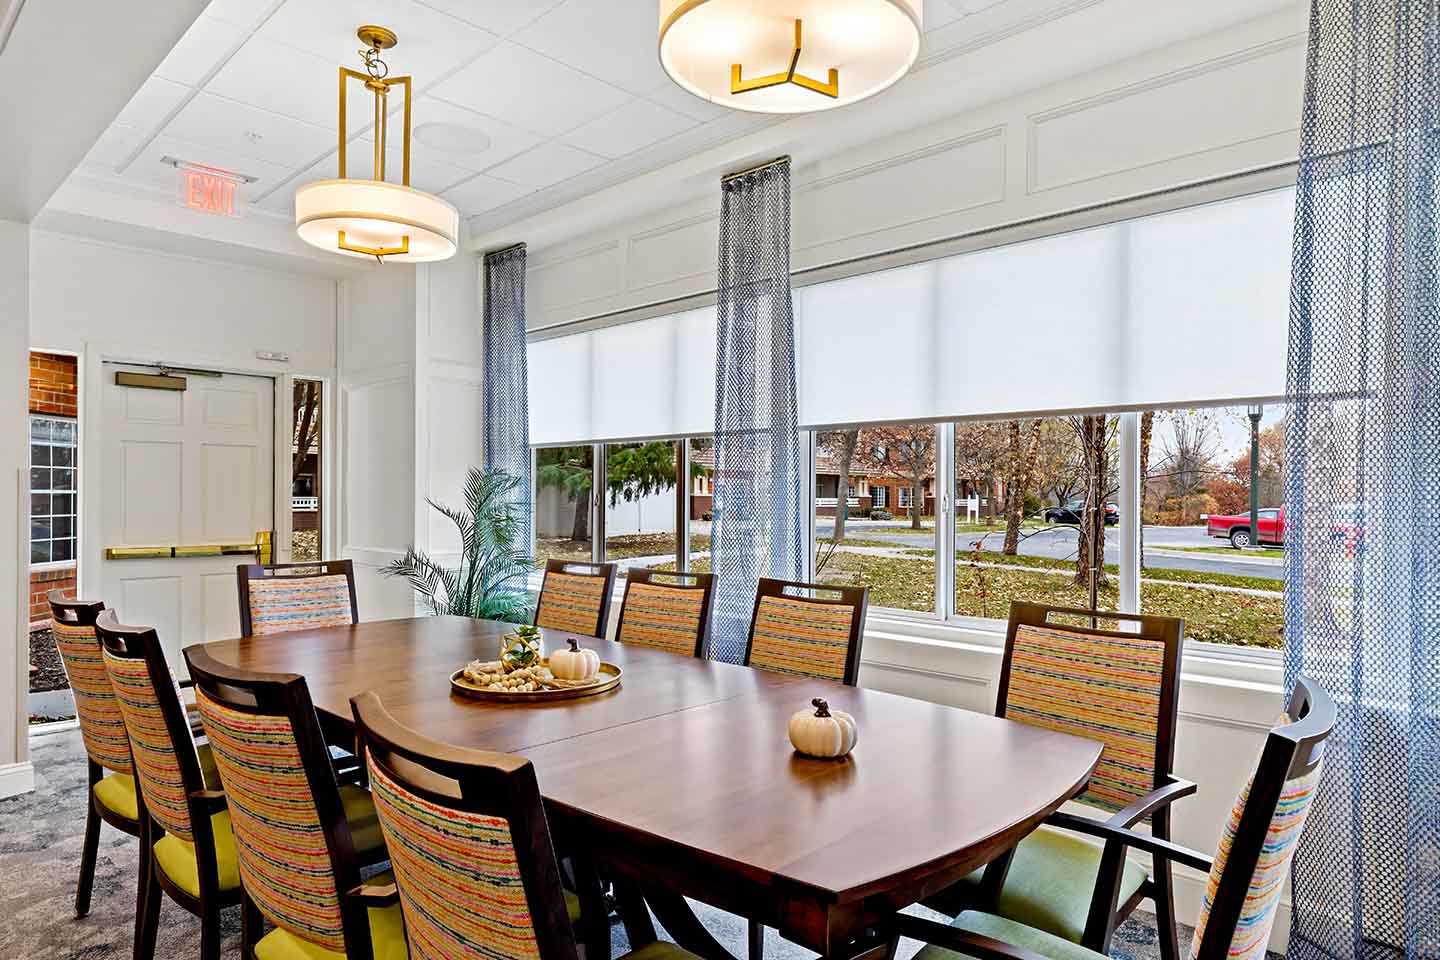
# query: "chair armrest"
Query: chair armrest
{"points": [[961, 941], [376, 894], [1106, 830], [210, 801], [1153, 801]]}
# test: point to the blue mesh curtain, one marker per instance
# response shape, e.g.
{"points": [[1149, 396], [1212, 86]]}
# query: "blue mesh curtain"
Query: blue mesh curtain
{"points": [[1362, 493], [507, 411], [758, 527]]}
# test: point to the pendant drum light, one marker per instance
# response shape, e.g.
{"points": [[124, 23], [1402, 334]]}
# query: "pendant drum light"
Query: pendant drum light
{"points": [[375, 218], [788, 56]]}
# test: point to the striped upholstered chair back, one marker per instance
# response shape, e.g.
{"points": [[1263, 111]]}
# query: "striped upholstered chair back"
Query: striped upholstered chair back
{"points": [[809, 629], [102, 728], [1114, 686], [1239, 906], [668, 611], [469, 845], [293, 843], [281, 597], [167, 767], [575, 597]]}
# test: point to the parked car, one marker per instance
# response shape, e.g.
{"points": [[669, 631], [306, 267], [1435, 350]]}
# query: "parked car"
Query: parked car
{"points": [[1235, 527], [1072, 512]]}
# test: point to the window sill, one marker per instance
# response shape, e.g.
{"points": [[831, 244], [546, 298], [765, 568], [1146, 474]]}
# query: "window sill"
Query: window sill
{"points": [[52, 566], [927, 642]]}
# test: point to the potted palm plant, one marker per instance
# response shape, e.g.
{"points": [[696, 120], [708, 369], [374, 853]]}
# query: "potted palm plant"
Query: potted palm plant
{"points": [[490, 582]]}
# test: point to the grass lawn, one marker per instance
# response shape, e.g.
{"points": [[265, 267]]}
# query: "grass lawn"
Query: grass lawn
{"points": [[1174, 576], [621, 547], [1264, 552]]}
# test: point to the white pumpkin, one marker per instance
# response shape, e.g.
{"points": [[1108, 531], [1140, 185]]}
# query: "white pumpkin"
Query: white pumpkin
{"points": [[575, 663], [821, 732]]}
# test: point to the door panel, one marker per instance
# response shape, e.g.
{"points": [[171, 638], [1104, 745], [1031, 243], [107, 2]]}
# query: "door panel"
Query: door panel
{"points": [[184, 468]]}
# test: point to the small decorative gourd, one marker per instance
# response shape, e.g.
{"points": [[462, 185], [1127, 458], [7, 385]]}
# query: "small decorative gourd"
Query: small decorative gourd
{"points": [[823, 733], [575, 663]]}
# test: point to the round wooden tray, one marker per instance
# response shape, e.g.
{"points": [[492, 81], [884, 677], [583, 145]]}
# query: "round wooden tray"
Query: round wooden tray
{"points": [[607, 679]]}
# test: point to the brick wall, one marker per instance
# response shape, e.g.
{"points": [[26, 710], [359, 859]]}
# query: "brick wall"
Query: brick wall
{"points": [[41, 583], [52, 385], [53, 393]]}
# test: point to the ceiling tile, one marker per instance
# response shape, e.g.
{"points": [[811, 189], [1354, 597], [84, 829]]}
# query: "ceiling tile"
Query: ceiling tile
{"points": [[615, 42], [152, 103], [289, 82], [242, 131], [941, 13], [545, 165], [431, 43], [503, 17], [674, 97], [200, 50], [531, 91], [505, 140], [114, 147], [242, 13], [483, 192], [637, 124], [148, 169]]}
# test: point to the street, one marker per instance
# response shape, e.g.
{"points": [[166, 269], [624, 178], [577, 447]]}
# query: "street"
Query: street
{"points": [[1058, 541]]}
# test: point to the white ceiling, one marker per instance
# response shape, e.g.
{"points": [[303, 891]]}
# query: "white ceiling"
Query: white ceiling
{"points": [[569, 95]]}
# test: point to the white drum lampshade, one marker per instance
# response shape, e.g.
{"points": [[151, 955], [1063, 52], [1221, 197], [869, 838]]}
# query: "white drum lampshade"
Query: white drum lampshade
{"points": [[743, 53], [376, 215]]}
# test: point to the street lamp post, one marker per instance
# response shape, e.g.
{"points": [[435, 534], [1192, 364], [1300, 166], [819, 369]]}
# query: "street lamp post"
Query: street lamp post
{"points": [[1256, 411]]}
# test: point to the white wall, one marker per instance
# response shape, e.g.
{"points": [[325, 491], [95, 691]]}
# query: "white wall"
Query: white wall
{"points": [[1208, 107], [16, 775], [376, 449]]}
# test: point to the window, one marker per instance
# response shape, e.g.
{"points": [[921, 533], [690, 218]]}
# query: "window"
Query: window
{"points": [[905, 498], [894, 558], [1195, 499], [877, 495], [563, 482], [640, 492], [52, 490], [306, 489]]}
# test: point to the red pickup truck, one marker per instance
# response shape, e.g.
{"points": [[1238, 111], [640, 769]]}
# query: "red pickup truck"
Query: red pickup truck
{"points": [[1236, 528]]}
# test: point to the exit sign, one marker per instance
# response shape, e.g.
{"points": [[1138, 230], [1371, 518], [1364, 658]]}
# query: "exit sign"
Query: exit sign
{"points": [[208, 189]]}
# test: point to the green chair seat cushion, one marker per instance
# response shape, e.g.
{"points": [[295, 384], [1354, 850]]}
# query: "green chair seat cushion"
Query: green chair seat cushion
{"points": [[659, 950], [387, 940], [1052, 881], [116, 793], [1016, 934], [177, 857], [572, 907]]}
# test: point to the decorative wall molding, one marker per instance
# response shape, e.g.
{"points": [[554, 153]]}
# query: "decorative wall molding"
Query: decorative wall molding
{"points": [[557, 295], [1035, 182]]}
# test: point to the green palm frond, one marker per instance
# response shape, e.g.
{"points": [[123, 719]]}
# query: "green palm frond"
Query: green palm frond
{"points": [[490, 582]]}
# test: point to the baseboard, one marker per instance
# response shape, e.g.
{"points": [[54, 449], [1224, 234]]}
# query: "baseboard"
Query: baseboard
{"points": [[16, 778], [1190, 892]]}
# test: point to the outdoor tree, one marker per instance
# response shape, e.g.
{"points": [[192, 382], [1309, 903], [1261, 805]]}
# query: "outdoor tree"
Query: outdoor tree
{"points": [[981, 456], [1059, 462], [306, 419], [569, 470], [1189, 449], [905, 452], [632, 471], [1147, 433], [842, 444], [1095, 436], [1023, 447]]}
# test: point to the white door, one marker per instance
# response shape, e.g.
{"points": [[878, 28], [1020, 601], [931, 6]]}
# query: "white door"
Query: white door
{"points": [[190, 468]]}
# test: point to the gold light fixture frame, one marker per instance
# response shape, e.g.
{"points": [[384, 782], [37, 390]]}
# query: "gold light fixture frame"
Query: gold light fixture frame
{"points": [[376, 39], [740, 85]]}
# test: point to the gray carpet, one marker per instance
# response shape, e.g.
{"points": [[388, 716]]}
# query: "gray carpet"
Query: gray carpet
{"points": [[40, 836]]}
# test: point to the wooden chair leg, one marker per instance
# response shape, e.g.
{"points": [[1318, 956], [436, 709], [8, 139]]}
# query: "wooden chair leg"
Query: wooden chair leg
{"points": [[755, 936], [251, 927], [1165, 911], [210, 933], [88, 853], [594, 930], [147, 920], [634, 914]]}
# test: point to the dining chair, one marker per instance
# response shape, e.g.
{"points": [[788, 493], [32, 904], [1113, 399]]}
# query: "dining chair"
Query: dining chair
{"points": [[472, 853], [667, 610], [301, 838], [575, 597], [185, 833], [281, 597], [809, 629], [102, 731], [1120, 687], [1246, 875]]}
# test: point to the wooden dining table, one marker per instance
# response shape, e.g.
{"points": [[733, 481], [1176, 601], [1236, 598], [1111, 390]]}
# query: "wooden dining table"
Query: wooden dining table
{"points": [[682, 780]]}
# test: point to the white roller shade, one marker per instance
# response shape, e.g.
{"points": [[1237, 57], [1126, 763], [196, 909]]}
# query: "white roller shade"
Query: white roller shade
{"points": [[1178, 308], [642, 380]]}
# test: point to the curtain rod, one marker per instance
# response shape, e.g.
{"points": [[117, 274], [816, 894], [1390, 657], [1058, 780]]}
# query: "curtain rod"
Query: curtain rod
{"points": [[755, 169], [513, 246]]}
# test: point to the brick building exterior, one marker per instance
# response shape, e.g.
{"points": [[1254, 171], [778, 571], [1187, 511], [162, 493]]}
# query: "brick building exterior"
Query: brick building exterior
{"points": [[53, 393]]}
